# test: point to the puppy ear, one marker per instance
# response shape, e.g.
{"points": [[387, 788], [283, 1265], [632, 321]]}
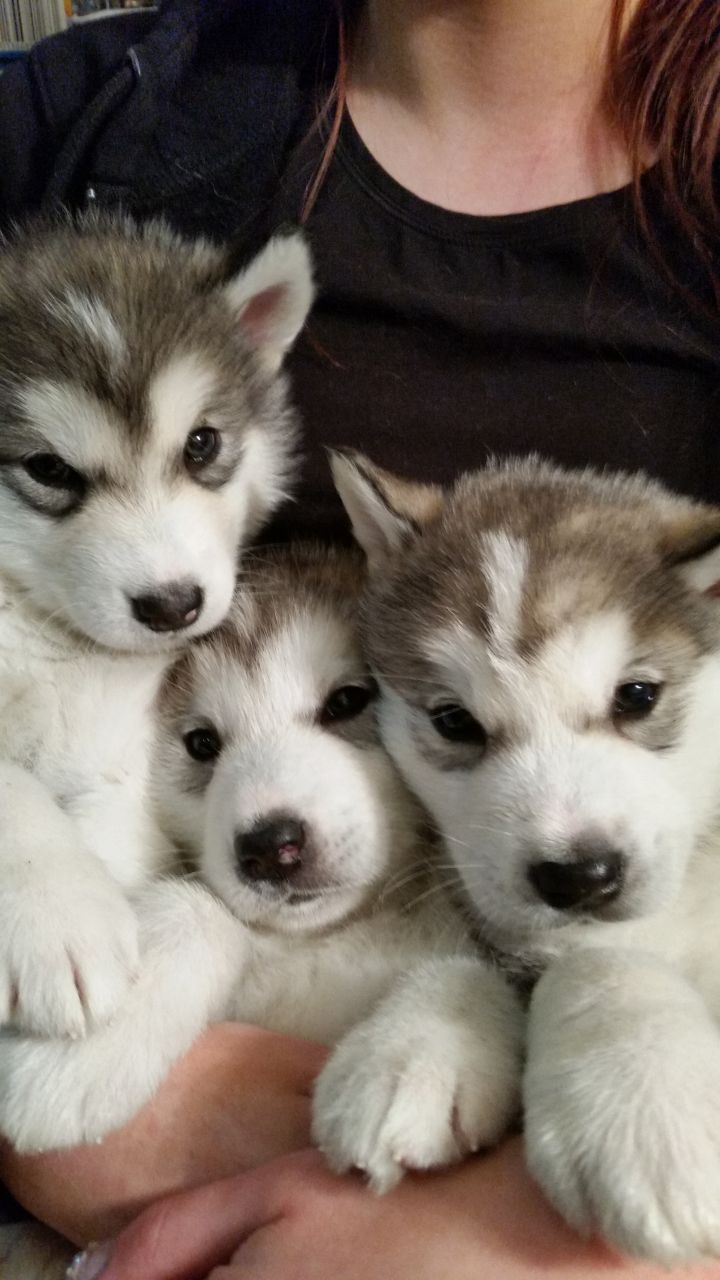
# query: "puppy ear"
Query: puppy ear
{"points": [[385, 511], [691, 543], [272, 296]]}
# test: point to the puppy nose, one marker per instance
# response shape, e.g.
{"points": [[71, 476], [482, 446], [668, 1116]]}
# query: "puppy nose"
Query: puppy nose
{"points": [[270, 851], [173, 608], [590, 879]]}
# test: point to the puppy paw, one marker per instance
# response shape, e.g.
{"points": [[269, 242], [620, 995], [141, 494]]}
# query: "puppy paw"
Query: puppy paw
{"points": [[60, 1093], [65, 961], [622, 1116], [391, 1100]]}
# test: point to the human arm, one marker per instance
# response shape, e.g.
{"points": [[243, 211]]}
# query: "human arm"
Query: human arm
{"points": [[292, 1220], [242, 1097]]}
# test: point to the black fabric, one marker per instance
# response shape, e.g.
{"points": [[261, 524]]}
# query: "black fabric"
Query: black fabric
{"points": [[189, 112], [440, 339], [49, 100], [10, 1210]]}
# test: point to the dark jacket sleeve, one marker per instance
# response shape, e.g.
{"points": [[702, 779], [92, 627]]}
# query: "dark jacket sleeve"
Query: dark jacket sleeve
{"points": [[188, 113], [42, 98]]}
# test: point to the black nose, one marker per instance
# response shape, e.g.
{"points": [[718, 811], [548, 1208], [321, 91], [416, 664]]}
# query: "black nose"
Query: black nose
{"points": [[270, 851], [589, 880], [175, 607]]}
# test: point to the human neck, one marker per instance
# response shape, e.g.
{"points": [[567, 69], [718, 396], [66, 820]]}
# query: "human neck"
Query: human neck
{"points": [[488, 106]]}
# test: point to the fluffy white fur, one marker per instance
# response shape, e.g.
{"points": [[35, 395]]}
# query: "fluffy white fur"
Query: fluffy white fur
{"points": [[560, 784], [622, 1104], [272, 297], [434, 1073], [76, 825], [144, 529]]}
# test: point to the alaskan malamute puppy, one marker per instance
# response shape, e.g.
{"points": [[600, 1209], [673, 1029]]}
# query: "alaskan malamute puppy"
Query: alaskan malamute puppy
{"points": [[269, 772], [548, 646], [145, 434]]}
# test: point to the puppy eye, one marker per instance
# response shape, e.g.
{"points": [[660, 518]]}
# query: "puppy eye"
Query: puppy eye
{"points": [[203, 744], [51, 470], [636, 698], [347, 702], [457, 724], [201, 447]]}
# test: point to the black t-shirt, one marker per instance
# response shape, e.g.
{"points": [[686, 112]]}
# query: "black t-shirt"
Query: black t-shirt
{"points": [[440, 338]]}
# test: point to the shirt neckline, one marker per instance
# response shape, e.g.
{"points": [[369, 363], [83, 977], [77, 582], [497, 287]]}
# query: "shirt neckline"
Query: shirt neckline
{"points": [[552, 222]]}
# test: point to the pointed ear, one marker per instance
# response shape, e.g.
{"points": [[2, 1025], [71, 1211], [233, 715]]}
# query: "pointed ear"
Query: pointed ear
{"points": [[272, 296], [385, 511], [691, 543]]}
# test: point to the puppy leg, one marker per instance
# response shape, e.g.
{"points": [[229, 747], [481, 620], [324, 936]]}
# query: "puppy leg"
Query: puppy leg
{"points": [[60, 1093], [430, 1076], [622, 1103], [68, 936]]}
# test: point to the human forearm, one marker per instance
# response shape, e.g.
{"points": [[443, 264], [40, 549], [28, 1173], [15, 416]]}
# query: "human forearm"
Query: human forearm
{"points": [[292, 1218]]}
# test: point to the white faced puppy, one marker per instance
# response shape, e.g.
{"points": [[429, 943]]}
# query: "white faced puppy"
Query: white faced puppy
{"points": [[548, 645], [145, 433], [269, 772]]}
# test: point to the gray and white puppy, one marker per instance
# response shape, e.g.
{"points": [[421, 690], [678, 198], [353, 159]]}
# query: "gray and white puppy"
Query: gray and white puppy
{"points": [[145, 433], [548, 647], [325, 890]]}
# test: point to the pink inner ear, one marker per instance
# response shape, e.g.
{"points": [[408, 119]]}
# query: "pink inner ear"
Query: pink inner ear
{"points": [[713, 590], [259, 315]]}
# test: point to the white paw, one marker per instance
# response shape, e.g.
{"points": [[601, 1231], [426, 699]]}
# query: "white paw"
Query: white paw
{"points": [[622, 1120], [389, 1101], [60, 1093], [63, 1092], [66, 960]]}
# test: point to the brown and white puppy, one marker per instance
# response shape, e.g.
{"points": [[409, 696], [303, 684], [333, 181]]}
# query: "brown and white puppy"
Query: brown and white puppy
{"points": [[145, 433], [270, 775], [548, 649]]}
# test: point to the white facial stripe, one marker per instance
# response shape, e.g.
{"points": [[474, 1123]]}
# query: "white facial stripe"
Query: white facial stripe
{"points": [[577, 669], [505, 566], [466, 667], [74, 423], [573, 676], [311, 654], [92, 316], [298, 665], [91, 320], [179, 396]]}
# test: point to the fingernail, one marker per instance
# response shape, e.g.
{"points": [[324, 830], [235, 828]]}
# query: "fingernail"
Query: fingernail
{"points": [[90, 1264]]}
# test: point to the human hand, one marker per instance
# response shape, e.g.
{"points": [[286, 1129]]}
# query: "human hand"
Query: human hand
{"points": [[240, 1097], [294, 1220]]}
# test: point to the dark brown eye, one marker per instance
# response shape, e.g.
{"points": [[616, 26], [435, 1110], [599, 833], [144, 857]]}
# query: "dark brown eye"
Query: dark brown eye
{"points": [[203, 744], [457, 724], [201, 447], [636, 698], [52, 471], [347, 702]]}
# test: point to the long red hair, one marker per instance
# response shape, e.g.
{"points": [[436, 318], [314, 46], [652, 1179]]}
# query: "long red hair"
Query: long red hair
{"points": [[662, 88]]}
